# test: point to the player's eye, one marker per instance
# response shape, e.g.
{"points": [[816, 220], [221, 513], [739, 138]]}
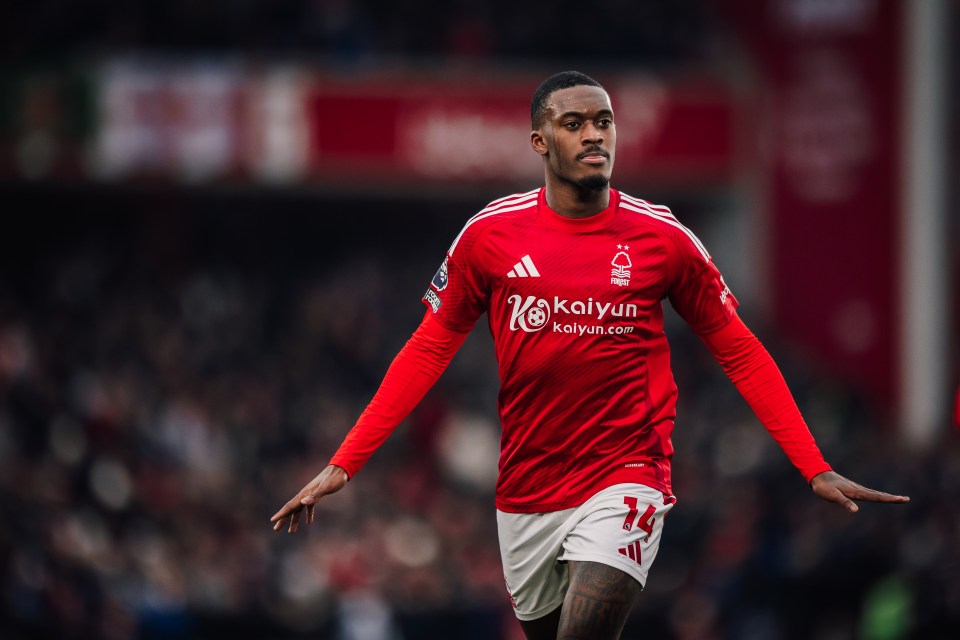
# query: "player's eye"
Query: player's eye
{"points": [[572, 126], [605, 122]]}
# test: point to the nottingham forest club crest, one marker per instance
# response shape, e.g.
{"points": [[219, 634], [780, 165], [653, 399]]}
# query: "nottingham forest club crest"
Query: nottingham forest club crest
{"points": [[620, 274]]}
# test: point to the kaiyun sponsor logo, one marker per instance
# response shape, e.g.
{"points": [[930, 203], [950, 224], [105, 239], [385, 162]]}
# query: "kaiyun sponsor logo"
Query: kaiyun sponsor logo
{"points": [[532, 314]]}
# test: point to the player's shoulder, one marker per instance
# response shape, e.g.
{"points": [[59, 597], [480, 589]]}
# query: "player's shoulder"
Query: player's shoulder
{"points": [[662, 219], [499, 211], [647, 212], [508, 207]]}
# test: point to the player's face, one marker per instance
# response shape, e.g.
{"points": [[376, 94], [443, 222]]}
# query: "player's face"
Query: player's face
{"points": [[578, 138]]}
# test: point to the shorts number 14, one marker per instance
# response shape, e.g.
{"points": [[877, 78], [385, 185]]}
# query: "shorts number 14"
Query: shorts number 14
{"points": [[644, 522]]}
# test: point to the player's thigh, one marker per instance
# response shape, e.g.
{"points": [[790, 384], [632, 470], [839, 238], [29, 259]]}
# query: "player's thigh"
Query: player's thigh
{"points": [[597, 602]]}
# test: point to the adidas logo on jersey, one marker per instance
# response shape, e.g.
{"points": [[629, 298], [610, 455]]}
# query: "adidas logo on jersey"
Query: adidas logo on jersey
{"points": [[524, 269]]}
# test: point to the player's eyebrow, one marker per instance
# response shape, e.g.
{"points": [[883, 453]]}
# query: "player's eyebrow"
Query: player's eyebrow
{"points": [[580, 114]]}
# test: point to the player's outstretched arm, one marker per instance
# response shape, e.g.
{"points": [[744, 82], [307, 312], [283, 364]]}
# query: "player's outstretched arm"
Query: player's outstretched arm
{"points": [[415, 369], [330, 480], [833, 487], [756, 376]]}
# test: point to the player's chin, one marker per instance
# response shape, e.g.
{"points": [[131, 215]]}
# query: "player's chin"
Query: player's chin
{"points": [[594, 181]]}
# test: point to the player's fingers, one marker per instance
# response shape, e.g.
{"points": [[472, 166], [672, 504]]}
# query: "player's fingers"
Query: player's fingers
{"points": [[309, 514], [281, 515], [849, 505], [840, 498], [871, 495], [294, 521], [291, 506]]}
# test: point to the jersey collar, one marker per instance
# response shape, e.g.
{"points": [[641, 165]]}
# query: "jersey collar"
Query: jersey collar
{"points": [[577, 225]]}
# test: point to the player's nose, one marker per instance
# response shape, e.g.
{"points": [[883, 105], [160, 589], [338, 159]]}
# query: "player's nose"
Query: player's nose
{"points": [[590, 133]]}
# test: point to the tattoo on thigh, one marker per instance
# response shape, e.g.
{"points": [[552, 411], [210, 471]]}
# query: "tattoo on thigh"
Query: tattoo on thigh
{"points": [[597, 603]]}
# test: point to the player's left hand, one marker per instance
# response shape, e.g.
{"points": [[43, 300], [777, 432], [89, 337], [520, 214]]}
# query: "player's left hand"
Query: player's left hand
{"points": [[833, 487]]}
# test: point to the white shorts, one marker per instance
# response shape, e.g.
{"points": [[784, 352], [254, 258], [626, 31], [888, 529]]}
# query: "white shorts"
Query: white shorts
{"points": [[619, 527]]}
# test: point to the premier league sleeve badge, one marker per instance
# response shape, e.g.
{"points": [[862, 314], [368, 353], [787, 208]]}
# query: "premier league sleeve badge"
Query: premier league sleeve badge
{"points": [[440, 280]]}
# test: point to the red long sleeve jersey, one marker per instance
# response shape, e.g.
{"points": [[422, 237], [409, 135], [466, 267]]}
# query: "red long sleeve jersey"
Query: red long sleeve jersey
{"points": [[587, 396], [575, 308]]}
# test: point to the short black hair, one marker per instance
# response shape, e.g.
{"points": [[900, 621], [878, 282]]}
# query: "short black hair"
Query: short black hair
{"points": [[562, 80]]}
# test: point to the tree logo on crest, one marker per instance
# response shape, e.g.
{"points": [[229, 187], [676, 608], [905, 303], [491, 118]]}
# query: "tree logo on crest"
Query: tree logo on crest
{"points": [[620, 275]]}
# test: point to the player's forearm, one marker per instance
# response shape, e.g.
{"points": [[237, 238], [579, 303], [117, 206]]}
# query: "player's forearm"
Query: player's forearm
{"points": [[758, 379], [413, 372]]}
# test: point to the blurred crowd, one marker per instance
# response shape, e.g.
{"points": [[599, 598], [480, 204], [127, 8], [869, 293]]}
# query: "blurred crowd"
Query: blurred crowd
{"points": [[665, 32], [170, 375]]}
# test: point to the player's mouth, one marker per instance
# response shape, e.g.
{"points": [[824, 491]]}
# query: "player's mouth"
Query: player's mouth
{"points": [[593, 156]]}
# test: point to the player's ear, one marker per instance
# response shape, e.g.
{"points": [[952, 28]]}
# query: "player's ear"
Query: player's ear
{"points": [[538, 142]]}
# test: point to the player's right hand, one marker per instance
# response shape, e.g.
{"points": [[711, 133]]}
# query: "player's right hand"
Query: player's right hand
{"points": [[330, 480]]}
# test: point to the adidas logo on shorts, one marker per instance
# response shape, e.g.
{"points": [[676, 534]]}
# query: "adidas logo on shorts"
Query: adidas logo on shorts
{"points": [[632, 551]]}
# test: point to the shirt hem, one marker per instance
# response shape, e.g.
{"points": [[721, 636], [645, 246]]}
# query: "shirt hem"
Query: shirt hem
{"points": [[578, 499]]}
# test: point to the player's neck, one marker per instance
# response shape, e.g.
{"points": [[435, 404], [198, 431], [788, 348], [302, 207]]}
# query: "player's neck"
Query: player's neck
{"points": [[571, 201]]}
